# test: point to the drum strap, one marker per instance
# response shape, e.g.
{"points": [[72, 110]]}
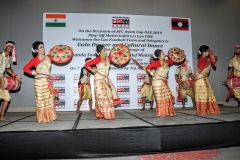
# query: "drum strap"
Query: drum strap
{"points": [[180, 75]]}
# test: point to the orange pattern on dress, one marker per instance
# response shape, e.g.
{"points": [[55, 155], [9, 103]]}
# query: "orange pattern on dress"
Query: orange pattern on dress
{"points": [[164, 99], [45, 111], [104, 100], [44, 93], [204, 96]]}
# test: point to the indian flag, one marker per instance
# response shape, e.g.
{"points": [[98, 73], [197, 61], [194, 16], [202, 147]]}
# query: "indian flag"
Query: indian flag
{"points": [[56, 20]]}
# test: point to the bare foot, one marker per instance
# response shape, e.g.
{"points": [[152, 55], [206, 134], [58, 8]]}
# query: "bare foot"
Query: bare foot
{"points": [[100, 118], [78, 112], [143, 109], [3, 119], [92, 110], [183, 108], [151, 109]]}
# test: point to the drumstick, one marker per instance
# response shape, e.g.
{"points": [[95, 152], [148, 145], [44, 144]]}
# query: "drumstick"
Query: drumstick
{"points": [[134, 61]]}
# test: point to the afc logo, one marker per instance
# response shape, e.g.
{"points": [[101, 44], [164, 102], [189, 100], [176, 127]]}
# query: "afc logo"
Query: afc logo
{"points": [[140, 77], [122, 78], [58, 78], [60, 90], [139, 89], [147, 103], [60, 104], [123, 90], [126, 102], [120, 22], [76, 78]]}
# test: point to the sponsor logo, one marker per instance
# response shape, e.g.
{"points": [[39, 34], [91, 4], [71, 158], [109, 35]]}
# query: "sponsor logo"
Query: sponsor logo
{"points": [[140, 77], [139, 89], [147, 103], [75, 91], [60, 104], [60, 91], [120, 22], [58, 78], [121, 78], [84, 104], [123, 90], [76, 78], [126, 102]]}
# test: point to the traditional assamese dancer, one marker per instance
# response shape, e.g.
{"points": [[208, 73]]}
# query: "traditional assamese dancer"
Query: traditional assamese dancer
{"points": [[182, 75], [44, 91], [146, 90], [234, 72], [106, 96], [84, 88], [5, 65], [204, 96], [162, 93]]}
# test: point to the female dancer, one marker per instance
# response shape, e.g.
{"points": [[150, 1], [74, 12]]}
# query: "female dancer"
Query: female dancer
{"points": [[44, 92], [106, 96], [162, 93], [204, 97]]}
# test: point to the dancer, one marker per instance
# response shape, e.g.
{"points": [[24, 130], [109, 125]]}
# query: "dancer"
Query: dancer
{"points": [[106, 96], [234, 70], [44, 92], [204, 97], [5, 65], [162, 93], [184, 73], [84, 88], [146, 90]]}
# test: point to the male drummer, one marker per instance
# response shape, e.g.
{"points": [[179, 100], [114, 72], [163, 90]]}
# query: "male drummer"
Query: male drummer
{"points": [[84, 88], [5, 65], [146, 90], [234, 69], [184, 73]]}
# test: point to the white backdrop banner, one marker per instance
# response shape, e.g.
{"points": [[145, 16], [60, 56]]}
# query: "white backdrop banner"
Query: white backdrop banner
{"points": [[143, 34]]}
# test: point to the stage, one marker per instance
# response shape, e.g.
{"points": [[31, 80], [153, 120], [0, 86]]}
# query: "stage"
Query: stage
{"points": [[133, 132]]}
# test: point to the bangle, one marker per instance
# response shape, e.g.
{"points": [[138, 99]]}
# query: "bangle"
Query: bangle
{"points": [[34, 73], [94, 70]]}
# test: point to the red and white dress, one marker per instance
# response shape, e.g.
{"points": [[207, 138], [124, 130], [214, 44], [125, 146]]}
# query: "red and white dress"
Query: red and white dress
{"points": [[204, 95], [45, 108], [162, 93], [106, 96]]}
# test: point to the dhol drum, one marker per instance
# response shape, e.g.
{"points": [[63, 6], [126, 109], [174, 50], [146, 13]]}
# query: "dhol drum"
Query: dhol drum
{"points": [[120, 55], [233, 83], [189, 84], [61, 53], [9, 83], [176, 54]]}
